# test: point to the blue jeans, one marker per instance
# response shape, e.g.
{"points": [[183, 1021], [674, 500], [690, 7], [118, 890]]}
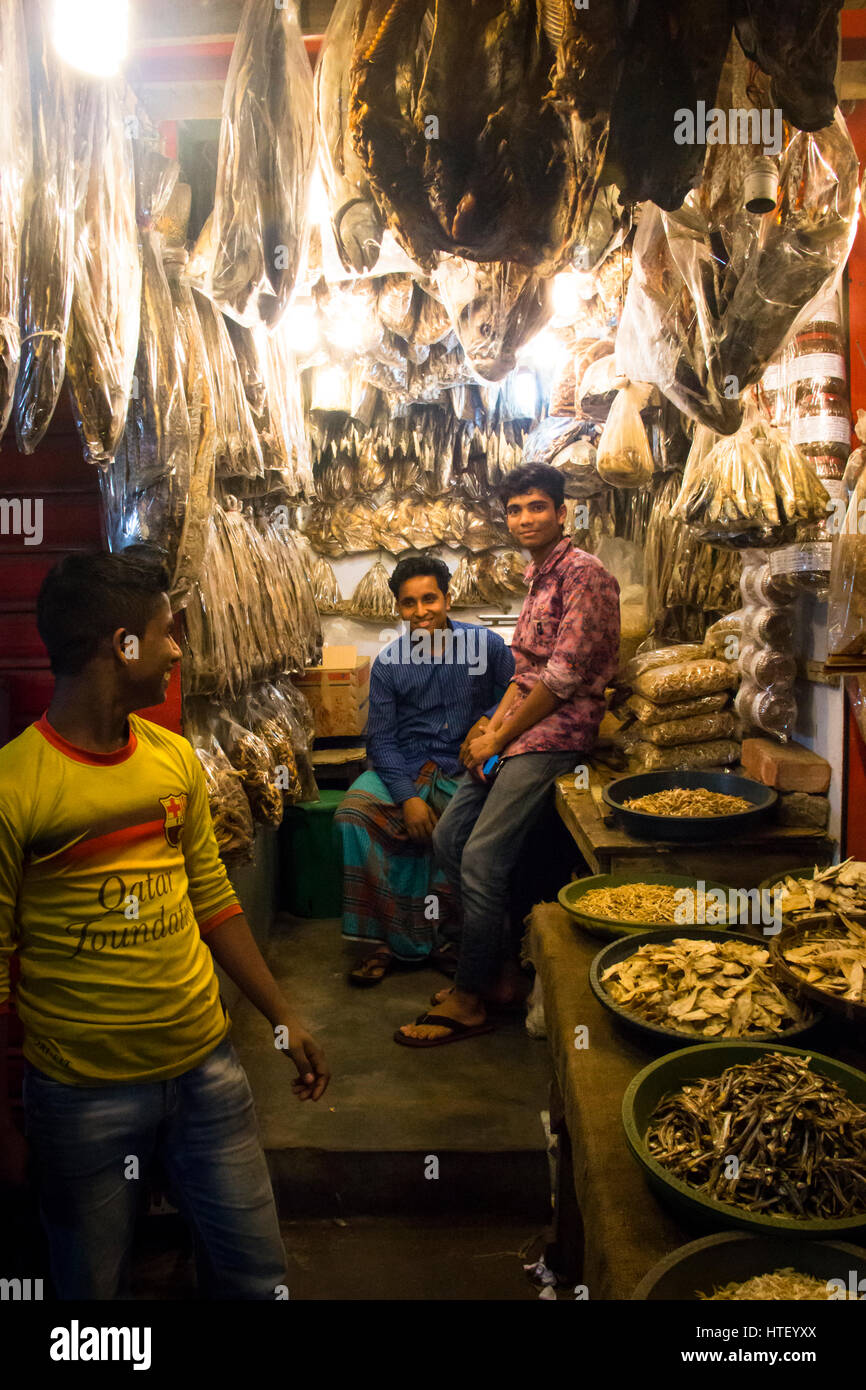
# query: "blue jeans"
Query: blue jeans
{"points": [[478, 841], [93, 1146]]}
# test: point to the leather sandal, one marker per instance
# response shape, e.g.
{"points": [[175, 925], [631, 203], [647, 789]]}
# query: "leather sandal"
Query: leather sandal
{"points": [[381, 961]]}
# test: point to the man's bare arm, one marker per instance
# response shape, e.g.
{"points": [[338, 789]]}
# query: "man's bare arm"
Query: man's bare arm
{"points": [[234, 948]]}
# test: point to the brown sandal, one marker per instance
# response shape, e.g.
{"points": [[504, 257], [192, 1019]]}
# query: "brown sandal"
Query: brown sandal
{"points": [[381, 961]]}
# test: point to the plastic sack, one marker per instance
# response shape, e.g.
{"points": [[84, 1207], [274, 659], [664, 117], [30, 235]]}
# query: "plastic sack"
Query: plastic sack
{"points": [[47, 240], [372, 598], [251, 756], [356, 221], [648, 713], [599, 386], [718, 638], [769, 627], [846, 612], [701, 728], [291, 706], [773, 711], [665, 684], [260, 713], [229, 807], [106, 305], [551, 436], [692, 756], [766, 667], [16, 149], [624, 456], [655, 657], [266, 154], [494, 309]]}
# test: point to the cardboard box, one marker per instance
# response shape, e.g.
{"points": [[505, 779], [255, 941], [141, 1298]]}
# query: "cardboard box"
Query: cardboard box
{"points": [[338, 692]]}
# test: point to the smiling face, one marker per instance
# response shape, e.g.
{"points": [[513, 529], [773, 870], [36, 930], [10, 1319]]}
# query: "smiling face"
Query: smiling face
{"points": [[148, 658], [534, 520], [422, 603]]}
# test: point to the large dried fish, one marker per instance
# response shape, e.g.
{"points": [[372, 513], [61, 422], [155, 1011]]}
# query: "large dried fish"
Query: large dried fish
{"points": [[47, 241], [832, 959], [798, 1138], [840, 888]]}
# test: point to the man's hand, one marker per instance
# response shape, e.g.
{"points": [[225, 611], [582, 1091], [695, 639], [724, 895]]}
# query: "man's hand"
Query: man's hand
{"points": [[13, 1156], [420, 819], [485, 746], [477, 729], [313, 1071]]}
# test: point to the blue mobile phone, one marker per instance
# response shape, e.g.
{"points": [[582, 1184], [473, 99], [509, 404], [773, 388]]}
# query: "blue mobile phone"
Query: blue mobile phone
{"points": [[491, 767]]}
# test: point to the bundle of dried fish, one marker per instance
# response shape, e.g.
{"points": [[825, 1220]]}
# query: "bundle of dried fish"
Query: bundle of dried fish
{"points": [[47, 241], [106, 305], [510, 569], [714, 989], [752, 489], [798, 1137], [227, 801], [266, 154], [326, 590], [494, 307], [372, 598], [454, 165], [840, 888], [689, 801], [237, 448], [356, 221], [463, 588], [783, 1285], [831, 959], [16, 151], [289, 436], [253, 759]]}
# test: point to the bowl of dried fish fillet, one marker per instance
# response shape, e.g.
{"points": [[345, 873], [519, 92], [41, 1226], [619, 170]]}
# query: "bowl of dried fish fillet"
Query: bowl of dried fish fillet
{"points": [[701, 984], [813, 893], [732, 1266], [756, 1135], [824, 960], [684, 805], [616, 905]]}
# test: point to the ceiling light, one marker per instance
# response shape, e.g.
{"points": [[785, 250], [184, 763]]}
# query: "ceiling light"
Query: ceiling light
{"points": [[92, 35]]}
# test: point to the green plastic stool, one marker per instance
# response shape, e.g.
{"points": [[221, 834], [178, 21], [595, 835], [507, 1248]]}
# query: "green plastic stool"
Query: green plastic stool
{"points": [[312, 861]]}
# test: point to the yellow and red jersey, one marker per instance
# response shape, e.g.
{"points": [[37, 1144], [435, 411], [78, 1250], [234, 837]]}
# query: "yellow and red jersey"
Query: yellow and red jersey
{"points": [[109, 876]]}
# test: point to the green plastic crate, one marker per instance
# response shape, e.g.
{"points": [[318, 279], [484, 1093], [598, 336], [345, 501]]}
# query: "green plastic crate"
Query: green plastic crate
{"points": [[312, 861]]}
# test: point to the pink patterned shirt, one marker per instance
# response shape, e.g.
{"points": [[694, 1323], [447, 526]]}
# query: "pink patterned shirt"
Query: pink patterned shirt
{"points": [[567, 636]]}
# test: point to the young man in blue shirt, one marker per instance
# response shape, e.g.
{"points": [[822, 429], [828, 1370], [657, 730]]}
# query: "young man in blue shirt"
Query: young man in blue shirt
{"points": [[429, 694]]}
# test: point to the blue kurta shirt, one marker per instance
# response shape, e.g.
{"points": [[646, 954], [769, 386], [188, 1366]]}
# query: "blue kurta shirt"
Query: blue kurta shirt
{"points": [[423, 702]]}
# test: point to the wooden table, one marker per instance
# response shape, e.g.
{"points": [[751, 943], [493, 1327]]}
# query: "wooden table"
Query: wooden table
{"points": [[741, 862], [610, 1228]]}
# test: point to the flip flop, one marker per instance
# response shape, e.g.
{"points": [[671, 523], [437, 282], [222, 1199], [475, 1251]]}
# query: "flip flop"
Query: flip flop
{"points": [[365, 981], [517, 1006], [459, 1031], [444, 958]]}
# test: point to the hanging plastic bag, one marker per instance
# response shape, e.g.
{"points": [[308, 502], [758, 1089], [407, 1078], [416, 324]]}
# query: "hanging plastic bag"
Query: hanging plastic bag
{"points": [[266, 154], [229, 807], [106, 305], [372, 598], [47, 241], [494, 309], [15, 167], [624, 456], [846, 614]]}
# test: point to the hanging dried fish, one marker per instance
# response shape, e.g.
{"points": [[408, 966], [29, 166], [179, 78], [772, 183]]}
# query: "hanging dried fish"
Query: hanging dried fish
{"points": [[326, 590], [372, 598], [106, 305], [47, 241], [15, 168]]}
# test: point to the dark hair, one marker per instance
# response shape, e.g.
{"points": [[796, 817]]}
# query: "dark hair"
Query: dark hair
{"points": [[415, 565], [541, 477], [86, 598]]}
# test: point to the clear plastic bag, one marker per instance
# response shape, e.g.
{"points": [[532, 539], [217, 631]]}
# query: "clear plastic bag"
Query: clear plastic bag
{"points": [[47, 241], [357, 223], [648, 713], [599, 387], [624, 456], [766, 667], [773, 711], [266, 156], [692, 756], [372, 598], [701, 728], [238, 452], [15, 169], [326, 590], [494, 309], [106, 306], [654, 657], [229, 807], [846, 613], [251, 756], [769, 627], [665, 684]]}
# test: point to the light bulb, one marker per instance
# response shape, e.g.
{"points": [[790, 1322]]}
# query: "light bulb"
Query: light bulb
{"points": [[92, 35]]}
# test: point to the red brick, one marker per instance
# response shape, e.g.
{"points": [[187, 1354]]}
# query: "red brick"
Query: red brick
{"points": [[788, 767]]}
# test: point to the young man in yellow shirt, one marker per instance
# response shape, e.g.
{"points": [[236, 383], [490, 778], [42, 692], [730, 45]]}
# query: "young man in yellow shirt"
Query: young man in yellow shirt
{"points": [[115, 898]]}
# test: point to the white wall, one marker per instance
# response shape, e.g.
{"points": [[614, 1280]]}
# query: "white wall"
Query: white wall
{"points": [[821, 720]]}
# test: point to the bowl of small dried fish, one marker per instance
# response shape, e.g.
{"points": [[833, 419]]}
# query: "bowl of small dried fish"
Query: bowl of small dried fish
{"points": [[760, 1136], [733, 1266], [825, 961], [679, 983], [617, 905], [683, 805], [807, 894]]}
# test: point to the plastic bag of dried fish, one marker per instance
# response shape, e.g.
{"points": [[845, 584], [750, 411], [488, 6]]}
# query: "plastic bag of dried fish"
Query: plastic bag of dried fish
{"points": [[237, 447], [266, 155], [372, 598], [647, 712], [699, 729], [624, 455], [227, 800], [684, 681], [106, 305], [16, 160], [253, 757], [494, 308], [693, 756], [47, 241], [326, 590]]}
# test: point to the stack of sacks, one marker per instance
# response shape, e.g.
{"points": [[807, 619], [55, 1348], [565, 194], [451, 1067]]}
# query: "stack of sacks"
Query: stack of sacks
{"points": [[681, 704]]}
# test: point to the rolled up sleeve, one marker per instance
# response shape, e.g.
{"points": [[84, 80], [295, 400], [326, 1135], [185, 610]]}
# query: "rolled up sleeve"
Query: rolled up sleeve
{"points": [[586, 651]]}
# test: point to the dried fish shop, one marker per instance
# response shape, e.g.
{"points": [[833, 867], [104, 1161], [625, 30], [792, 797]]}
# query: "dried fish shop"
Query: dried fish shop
{"points": [[433, 611]]}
